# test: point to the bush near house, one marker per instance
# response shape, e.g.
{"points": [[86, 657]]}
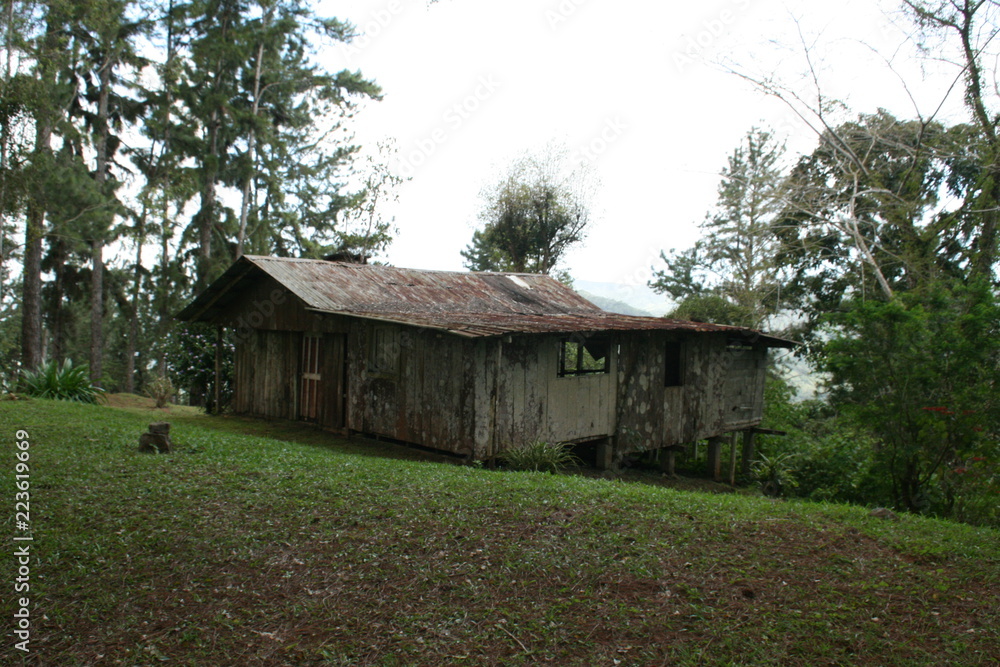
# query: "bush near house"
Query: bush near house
{"points": [[539, 457]]}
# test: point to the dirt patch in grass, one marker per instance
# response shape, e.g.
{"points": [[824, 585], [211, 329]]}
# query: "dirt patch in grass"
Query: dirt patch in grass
{"points": [[528, 587], [144, 403]]}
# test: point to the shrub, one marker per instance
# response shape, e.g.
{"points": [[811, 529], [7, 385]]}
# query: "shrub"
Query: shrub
{"points": [[161, 390], [191, 354], [539, 457], [919, 374], [64, 382], [775, 474]]}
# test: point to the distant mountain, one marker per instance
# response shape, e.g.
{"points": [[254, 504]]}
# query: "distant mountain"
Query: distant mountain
{"points": [[634, 297], [613, 305]]}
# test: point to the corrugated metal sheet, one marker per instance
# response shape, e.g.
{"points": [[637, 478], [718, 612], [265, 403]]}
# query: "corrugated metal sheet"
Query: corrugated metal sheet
{"points": [[359, 288], [464, 303]]}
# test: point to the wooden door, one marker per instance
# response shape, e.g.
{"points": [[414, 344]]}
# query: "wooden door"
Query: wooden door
{"points": [[334, 381], [311, 387]]}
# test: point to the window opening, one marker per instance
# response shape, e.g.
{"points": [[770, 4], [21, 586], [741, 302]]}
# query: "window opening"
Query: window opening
{"points": [[674, 367], [584, 356]]}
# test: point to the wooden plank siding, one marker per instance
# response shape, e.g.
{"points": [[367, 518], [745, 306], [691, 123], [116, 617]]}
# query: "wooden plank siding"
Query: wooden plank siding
{"points": [[334, 377], [428, 398], [743, 394], [478, 396], [267, 373], [721, 390]]}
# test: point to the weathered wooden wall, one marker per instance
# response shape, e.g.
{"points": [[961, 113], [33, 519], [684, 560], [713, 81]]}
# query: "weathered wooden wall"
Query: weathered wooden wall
{"points": [[266, 374], [722, 390], [269, 323], [430, 397], [478, 397], [743, 394], [520, 398]]}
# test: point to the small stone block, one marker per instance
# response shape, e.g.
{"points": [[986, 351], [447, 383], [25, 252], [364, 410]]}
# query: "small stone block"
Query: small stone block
{"points": [[162, 428], [157, 441]]}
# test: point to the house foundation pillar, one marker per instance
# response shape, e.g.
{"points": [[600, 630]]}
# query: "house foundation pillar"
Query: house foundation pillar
{"points": [[732, 459], [749, 447], [605, 455], [715, 458], [668, 460]]}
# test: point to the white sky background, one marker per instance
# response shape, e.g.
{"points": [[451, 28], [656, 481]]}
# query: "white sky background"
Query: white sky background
{"points": [[470, 84]]}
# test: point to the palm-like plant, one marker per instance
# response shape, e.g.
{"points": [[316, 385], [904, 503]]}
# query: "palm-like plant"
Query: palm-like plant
{"points": [[539, 457], [64, 382]]}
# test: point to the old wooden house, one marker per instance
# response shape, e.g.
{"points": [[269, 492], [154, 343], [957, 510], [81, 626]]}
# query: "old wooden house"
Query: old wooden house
{"points": [[476, 363]]}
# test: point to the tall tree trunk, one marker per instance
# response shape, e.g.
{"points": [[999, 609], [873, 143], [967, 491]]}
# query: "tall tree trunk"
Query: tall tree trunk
{"points": [[5, 136], [207, 212], [34, 231], [97, 243], [31, 299], [166, 224], [986, 245], [58, 314], [34, 224], [251, 149], [133, 319], [96, 311], [164, 309]]}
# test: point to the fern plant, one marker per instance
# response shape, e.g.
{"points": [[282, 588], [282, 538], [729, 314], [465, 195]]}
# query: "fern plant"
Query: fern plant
{"points": [[539, 457], [64, 382]]}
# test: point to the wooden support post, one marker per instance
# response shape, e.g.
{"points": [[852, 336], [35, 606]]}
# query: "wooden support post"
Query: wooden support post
{"points": [[715, 458], [668, 458], [217, 409], [732, 459], [605, 455], [749, 445]]}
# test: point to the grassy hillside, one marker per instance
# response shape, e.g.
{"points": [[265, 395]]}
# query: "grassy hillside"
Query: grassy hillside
{"points": [[297, 549]]}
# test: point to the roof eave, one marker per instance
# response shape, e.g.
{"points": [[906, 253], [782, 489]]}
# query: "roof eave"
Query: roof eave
{"points": [[195, 310]]}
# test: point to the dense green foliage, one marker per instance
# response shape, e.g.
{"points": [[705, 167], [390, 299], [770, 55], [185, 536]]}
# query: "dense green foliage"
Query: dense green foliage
{"points": [[932, 402], [945, 464], [886, 237], [231, 135]]}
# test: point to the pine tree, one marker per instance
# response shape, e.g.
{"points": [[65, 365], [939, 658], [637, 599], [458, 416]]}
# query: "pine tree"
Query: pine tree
{"points": [[735, 260]]}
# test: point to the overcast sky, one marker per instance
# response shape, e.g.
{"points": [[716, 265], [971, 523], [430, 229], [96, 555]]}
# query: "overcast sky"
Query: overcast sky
{"points": [[627, 85]]}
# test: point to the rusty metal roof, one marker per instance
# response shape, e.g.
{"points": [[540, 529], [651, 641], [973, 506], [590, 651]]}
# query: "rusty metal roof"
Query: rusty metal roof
{"points": [[471, 304]]}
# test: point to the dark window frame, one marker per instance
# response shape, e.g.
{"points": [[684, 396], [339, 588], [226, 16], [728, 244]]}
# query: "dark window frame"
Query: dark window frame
{"points": [[576, 356], [673, 364]]}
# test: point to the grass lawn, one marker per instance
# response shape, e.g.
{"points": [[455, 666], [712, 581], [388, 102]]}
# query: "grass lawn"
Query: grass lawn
{"points": [[266, 543]]}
